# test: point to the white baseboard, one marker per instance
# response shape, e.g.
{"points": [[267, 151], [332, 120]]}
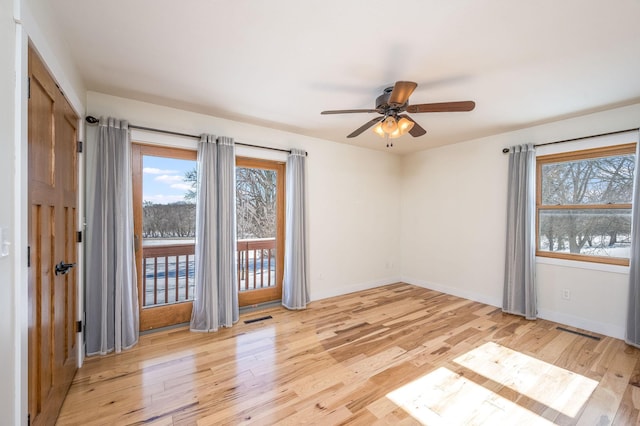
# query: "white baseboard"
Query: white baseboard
{"points": [[476, 297], [321, 293], [610, 330]]}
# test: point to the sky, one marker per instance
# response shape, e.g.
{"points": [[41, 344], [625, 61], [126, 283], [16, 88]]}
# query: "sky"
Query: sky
{"points": [[163, 179]]}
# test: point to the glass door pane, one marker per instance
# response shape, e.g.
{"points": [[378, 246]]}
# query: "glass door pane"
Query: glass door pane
{"points": [[260, 222], [165, 220], [168, 229]]}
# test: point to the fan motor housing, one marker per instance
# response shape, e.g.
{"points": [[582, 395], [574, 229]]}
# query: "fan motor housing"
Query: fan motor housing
{"points": [[382, 101]]}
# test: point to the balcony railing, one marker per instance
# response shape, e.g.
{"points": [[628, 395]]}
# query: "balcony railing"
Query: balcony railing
{"points": [[256, 263], [169, 274], [169, 270]]}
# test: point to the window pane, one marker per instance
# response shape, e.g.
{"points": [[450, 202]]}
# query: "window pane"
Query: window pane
{"points": [[591, 181], [256, 221], [169, 209], [168, 229], [256, 203], [595, 232]]}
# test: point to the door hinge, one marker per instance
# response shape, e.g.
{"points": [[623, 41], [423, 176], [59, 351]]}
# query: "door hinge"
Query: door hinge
{"points": [[79, 237], [28, 256], [79, 146], [78, 326], [28, 87], [28, 419]]}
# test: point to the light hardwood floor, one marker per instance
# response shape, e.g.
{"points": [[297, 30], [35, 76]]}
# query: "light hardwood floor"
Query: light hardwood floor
{"points": [[397, 354]]}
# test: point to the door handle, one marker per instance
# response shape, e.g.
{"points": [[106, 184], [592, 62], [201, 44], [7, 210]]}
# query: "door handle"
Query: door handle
{"points": [[62, 268]]}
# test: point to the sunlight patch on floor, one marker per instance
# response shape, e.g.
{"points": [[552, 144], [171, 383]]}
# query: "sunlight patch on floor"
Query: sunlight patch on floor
{"points": [[443, 397], [555, 387]]}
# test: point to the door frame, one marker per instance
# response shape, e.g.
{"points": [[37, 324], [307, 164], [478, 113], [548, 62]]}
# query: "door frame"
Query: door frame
{"points": [[254, 297]]}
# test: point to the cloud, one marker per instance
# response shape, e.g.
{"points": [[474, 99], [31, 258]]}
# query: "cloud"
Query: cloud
{"points": [[169, 179], [182, 186], [163, 199], [154, 171]]}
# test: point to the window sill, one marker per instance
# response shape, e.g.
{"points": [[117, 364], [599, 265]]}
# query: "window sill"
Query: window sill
{"points": [[582, 265]]}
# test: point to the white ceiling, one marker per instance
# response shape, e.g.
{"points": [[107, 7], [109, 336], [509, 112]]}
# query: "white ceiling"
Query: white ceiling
{"points": [[278, 63]]}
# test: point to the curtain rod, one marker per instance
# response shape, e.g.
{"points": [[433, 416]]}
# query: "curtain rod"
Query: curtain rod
{"points": [[506, 150], [92, 120]]}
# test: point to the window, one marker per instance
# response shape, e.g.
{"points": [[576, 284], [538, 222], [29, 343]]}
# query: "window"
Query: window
{"points": [[583, 204]]}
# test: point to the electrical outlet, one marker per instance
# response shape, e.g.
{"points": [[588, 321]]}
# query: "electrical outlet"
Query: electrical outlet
{"points": [[566, 294]]}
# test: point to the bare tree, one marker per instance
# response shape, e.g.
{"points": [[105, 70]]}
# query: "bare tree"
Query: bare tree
{"points": [[255, 201], [175, 220], [191, 177]]}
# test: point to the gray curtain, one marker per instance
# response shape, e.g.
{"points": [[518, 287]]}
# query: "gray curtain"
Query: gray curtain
{"points": [[519, 278], [295, 292], [216, 296], [111, 288], [633, 309]]}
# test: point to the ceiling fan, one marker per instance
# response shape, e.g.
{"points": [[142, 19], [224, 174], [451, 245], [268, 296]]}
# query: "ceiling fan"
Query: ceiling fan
{"points": [[392, 104]]}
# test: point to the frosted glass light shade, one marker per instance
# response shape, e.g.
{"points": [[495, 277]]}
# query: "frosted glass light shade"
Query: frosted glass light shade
{"points": [[392, 128], [389, 125], [404, 125], [378, 130]]}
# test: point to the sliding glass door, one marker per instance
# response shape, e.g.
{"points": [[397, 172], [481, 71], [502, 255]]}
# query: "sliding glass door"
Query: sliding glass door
{"points": [[165, 216]]}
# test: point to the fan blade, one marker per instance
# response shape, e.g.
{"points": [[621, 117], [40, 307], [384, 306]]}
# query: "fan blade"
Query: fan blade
{"points": [[365, 126], [442, 107], [417, 129], [401, 92], [347, 111]]}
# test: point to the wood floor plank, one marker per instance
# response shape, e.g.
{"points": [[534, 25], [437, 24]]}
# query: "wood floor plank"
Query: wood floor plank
{"points": [[397, 354], [606, 399]]}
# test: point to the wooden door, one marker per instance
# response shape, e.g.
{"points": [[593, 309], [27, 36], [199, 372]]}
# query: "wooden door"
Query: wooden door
{"points": [[52, 139], [165, 260], [260, 202]]}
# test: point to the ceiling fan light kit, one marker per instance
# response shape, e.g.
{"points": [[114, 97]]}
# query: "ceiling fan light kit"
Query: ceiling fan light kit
{"points": [[391, 105], [392, 128]]}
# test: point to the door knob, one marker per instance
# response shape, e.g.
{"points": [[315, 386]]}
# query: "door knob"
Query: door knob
{"points": [[62, 268]]}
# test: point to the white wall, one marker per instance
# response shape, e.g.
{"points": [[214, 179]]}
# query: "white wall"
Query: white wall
{"points": [[10, 373], [453, 227], [353, 196], [44, 34]]}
